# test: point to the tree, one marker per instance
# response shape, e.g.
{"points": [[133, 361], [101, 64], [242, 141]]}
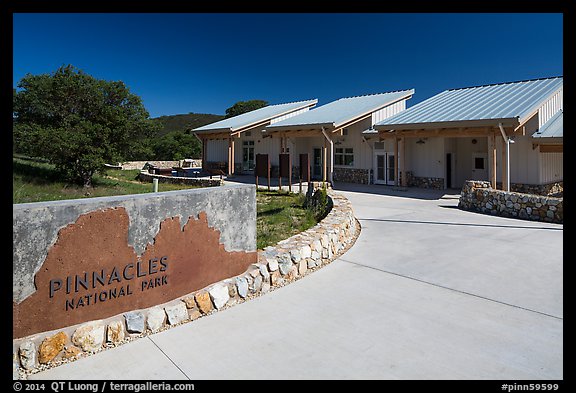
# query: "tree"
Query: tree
{"points": [[77, 122], [176, 145], [245, 106]]}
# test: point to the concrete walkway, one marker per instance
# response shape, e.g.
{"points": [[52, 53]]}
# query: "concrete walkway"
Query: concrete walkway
{"points": [[427, 292]]}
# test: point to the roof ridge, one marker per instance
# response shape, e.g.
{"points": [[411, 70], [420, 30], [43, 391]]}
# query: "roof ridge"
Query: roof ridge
{"points": [[506, 83], [291, 102], [374, 94]]}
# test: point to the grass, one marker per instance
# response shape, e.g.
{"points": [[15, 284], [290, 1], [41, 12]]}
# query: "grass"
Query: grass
{"points": [[279, 215], [37, 181]]}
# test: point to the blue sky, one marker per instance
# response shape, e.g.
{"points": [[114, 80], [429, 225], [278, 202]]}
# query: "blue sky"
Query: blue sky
{"points": [[204, 63]]}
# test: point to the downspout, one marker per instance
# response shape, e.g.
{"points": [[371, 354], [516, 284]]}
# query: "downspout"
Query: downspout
{"points": [[507, 140], [331, 156]]}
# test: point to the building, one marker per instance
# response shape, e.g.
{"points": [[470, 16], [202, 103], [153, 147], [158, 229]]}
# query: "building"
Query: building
{"points": [[332, 134], [510, 134], [220, 139]]}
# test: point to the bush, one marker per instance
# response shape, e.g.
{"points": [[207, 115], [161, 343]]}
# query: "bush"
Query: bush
{"points": [[319, 203]]}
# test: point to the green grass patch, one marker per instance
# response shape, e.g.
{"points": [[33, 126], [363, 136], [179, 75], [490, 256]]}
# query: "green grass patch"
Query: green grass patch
{"points": [[279, 216], [38, 181]]}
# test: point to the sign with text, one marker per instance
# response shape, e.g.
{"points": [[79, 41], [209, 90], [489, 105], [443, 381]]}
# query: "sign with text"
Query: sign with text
{"points": [[91, 272]]}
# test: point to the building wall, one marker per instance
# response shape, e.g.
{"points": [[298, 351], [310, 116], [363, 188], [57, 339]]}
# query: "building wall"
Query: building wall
{"points": [[289, 115], [550, 107], [427, 159], [524, 160], [388, 111], [551, 167], [217, 150]]}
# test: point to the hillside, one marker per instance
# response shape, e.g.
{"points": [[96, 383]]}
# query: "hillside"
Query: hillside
{"points": [[185, 121]]}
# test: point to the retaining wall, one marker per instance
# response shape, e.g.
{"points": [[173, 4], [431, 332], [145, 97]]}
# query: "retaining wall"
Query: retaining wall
{"points": [[481, 197], [276, 266]]}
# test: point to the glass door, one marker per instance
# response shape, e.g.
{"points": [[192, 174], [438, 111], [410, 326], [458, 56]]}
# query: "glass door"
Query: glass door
{"points": [[385, 171], [247, 155], [317, 163]]}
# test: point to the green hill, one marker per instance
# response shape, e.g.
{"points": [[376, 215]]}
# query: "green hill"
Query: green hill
{"points": [[185, 121]]}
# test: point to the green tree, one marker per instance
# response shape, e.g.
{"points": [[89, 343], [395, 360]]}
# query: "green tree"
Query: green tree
{"points": [[78, 122], [245, 106], [176, 145]]}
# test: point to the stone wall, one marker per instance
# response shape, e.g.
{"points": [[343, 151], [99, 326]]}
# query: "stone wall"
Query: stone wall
{"points": [[481, 197], [351, 175], [277, 265], [424, 182], [196, 181], [555, 189], [160, 164]]}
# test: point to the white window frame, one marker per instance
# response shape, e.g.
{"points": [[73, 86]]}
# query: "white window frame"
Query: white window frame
{"points": [[343, 154]]}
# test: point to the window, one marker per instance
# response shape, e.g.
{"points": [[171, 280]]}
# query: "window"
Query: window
{"points": [[344, 156], [478, 163]]}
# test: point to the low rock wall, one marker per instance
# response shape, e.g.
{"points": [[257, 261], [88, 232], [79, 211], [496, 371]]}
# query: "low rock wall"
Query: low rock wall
{"points": [[201, 182], [160, 164], [481, 197]]}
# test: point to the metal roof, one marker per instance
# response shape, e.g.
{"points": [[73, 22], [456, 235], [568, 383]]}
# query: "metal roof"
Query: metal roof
{"points": [[255, 117], [553, 128], [512, 100], [342, 111]]}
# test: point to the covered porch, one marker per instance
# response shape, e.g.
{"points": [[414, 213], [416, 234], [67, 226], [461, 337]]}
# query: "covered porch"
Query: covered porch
{"points": [[457, 150]]}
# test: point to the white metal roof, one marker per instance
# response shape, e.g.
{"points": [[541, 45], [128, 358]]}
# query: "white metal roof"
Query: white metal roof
{"points": [[512, 100], [255, 117], [341, 111], [553, 128]]}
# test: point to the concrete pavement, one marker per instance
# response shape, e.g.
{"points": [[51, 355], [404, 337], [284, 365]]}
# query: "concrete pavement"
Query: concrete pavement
{"points": [[427, 292]]}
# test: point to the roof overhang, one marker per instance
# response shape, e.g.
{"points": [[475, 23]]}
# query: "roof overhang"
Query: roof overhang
{"points": [[548, 141], [300, 127], [506, 122]]}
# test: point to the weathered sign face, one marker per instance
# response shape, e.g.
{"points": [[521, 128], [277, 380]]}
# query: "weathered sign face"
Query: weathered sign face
{"points": [[91, 272]]}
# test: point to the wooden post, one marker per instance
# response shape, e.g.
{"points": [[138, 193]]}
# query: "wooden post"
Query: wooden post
{"points": [[233, 169], [492, 159], [229, 155], [396, 161], [403, 162], [290, 175], [324, 162]]}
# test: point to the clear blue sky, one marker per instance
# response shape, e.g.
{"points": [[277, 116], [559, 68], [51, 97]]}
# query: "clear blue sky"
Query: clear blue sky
{"points": [[204, 63]]}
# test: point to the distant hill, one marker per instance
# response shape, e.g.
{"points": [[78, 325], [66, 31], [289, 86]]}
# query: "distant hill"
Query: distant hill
{"points": [[185, 121]]}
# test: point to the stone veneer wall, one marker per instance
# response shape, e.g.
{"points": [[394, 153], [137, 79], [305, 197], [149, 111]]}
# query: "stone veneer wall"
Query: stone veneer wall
{"points": [[277, 266], [550, 189], [351, 175], [424, 182], [216, 181], [481, 197]]}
